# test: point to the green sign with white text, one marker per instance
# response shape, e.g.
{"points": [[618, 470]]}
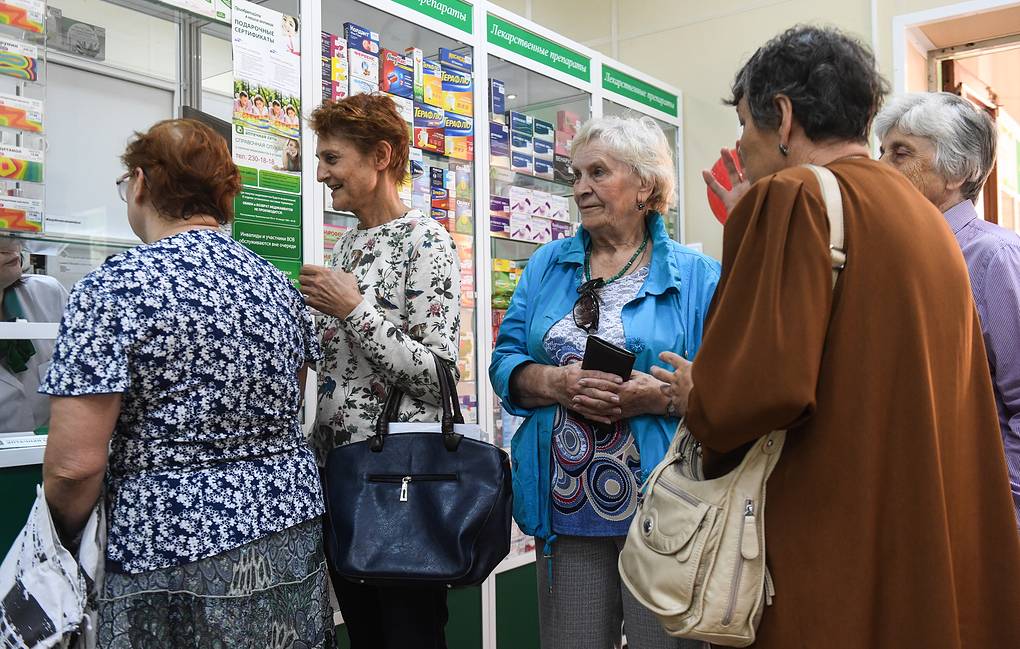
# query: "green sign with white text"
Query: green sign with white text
{"points": [[509, 36], [452, 12], [627, 86]]}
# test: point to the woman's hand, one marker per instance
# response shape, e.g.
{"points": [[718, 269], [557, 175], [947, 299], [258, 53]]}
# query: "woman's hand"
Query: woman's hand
{"points": [[329, 290], [676, 385], [642, 394], [738, 183], [590, 393]]}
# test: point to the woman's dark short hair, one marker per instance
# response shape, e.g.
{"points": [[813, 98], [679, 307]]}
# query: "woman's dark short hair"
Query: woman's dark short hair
{"points": [[830, 78], [366, 120], [188, 169]]}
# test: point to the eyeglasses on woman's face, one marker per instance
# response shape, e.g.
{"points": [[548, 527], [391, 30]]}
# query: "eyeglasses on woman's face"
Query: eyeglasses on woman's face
{"points": [[122, 186]]}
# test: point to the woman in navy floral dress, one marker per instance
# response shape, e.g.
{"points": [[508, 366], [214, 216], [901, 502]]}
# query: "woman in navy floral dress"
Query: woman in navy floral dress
{"points": [[186, 357]]}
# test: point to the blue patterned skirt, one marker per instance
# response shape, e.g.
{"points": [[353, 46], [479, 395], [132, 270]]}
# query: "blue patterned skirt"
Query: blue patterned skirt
{"points": [[271, 593]]}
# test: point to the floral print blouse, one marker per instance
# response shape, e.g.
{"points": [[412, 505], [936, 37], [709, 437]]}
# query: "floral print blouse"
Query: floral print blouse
{"points": [[407, 271], [204, 340]]}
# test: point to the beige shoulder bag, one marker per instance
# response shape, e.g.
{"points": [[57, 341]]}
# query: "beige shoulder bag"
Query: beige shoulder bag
{"points": [[695, 552]]}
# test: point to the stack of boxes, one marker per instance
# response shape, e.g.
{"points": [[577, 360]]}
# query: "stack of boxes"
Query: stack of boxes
{"points": [[362, 59], [567, 125], [544, 145], [458, 103], [522, 136], [334, 66]]}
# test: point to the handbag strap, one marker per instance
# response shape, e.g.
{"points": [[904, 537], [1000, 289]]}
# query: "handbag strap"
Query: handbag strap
{"points": [[833, 200], [449, 404]]}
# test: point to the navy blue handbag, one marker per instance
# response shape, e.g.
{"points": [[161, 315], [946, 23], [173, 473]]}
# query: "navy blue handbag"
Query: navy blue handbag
{"points": [[427, 508]]}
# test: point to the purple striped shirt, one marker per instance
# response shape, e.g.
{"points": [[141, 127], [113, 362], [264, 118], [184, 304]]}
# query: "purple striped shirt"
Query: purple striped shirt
{"points": [[992, 254]]}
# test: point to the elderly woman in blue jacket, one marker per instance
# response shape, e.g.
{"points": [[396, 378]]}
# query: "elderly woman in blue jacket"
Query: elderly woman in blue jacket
{"points": [[590, 437]]}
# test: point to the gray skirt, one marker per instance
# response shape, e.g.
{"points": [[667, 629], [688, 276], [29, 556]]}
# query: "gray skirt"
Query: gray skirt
{"points": [[271, 593]]}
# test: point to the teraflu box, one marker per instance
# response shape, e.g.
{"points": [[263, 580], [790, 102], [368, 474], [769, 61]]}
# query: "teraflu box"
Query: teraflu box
{"points": [[562, 170], [560, 230], [21, 113], [359, 38], [544, 131], [544, 150], [544, 169], [397, 76], [521, 144], [460, 138], [449, 58], [522, 162], [560, 208], [458, 92], [541, 230], [432, 83], [521, 123], [363, 66], [497, 101], [361, 87], [429, 128], [522, 200]]}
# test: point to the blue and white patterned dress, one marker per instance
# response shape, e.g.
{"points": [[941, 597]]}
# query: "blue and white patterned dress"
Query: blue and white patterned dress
{"points": [[596, 470], [204, 340]]}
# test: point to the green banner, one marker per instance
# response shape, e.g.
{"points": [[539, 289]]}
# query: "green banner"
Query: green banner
{"points": [[269, 241], [292, 269], [537, 48], [278, 181], [627, 86], [268, 207], [249, 175], [452, 12]]}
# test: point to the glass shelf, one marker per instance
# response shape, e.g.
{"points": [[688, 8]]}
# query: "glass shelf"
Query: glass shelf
{"points": [[502, 178]]}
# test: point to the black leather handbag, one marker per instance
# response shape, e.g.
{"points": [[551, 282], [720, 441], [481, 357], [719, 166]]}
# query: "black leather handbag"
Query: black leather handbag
{"points": [[427, 508]]}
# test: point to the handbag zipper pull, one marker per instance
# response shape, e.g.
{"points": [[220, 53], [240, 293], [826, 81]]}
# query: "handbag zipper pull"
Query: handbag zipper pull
{"points": [[403, 488]]}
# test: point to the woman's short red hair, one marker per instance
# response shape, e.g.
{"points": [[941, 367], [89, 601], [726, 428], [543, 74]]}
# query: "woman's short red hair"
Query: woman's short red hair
{"points": [[188, 169], [366, 120]]}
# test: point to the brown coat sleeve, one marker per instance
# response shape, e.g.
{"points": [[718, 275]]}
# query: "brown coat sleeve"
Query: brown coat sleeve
{"points": [[758, 365]]}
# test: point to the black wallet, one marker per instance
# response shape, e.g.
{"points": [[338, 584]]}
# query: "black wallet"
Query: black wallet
{"points": [[604, 356]]}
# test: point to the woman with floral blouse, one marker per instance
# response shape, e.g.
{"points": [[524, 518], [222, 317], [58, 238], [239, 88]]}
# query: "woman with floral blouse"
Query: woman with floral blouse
{"points": [[390, 299], [186, 358]]}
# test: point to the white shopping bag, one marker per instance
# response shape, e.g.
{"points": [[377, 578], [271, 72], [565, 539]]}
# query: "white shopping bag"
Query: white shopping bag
{"points": [[44, 592]]}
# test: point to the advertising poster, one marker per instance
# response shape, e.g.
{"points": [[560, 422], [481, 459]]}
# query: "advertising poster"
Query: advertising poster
{"points": [[214, 9], [267, 133]]}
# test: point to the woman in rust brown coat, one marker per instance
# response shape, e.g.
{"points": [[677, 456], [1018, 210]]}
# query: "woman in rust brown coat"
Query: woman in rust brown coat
{"points": [[888, 517]]}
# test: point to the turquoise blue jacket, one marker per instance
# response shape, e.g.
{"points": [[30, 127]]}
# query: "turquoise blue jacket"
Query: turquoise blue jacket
{"points": [[667, 314]]}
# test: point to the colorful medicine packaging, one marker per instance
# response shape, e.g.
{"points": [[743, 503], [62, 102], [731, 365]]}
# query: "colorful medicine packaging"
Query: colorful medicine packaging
{"points": [[361, 39], [429, 128], [397, 77], [497, 101], [521, 123], [458, 92], [460, 137], [544, 131], [363, 66], [499, 145], [452, 59]]}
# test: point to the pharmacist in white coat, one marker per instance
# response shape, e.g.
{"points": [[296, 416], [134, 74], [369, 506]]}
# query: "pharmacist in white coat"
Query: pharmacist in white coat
{"points": [[23, 363]]}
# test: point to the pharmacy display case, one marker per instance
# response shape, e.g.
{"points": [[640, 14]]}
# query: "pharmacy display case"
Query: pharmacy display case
{"points": [[489, 159]]}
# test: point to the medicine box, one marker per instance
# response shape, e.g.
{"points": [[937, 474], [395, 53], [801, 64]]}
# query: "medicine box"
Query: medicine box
{"points": [[568, 121], [541, 230], [543, 149], [361, 39], [497, 101], [544, 131], [520, 123], [544, 169], [460, 138], [560, 230], [458, 92], [522, 200], [432, 83], [521, 144], [397, 76], [562, 170], [499, 145], [563, 142], [363, 66], [520, 227], [362, 87], [450, 58], [521, 162], [540, 205], [560, 208], [429, 128]]}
